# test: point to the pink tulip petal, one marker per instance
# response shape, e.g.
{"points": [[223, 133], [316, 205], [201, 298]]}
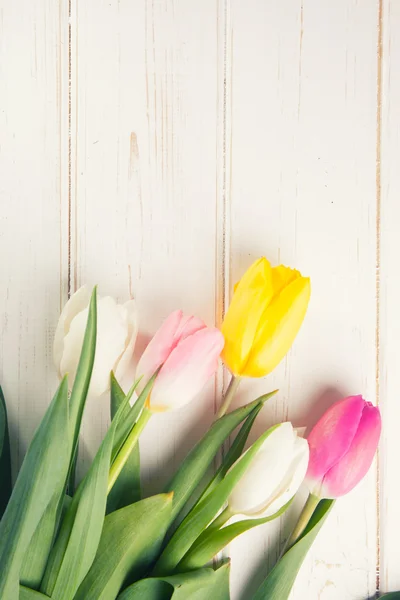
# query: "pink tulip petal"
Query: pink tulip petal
{"points": [[159, 348], [187, 369], [188, 326], [332, 436], [353, 466]]}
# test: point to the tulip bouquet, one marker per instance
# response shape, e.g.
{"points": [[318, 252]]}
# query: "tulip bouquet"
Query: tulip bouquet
{"points": [[101, 539]]}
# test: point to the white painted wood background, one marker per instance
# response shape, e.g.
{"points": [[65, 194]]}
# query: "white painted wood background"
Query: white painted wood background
{"points": [[157, 147]]}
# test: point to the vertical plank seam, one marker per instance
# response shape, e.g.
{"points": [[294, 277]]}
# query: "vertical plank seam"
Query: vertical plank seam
{"points": [[222, 250], [222, 245], [378, 271], [225, 195], [69, 233]]}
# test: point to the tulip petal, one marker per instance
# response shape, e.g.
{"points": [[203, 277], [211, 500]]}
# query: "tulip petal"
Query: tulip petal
{"points": [[256, 488], [130, 317], [331, 438], [187, 369], [281, 277], [353, 466], [293, 479], [188, 326], [78, 302], [252, 295], [279, 326], [111, 338], [159, 348]]}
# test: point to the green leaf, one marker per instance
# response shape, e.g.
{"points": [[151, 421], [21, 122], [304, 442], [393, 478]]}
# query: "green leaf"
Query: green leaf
{"points": [[234, 451], [202, 584], [81, 385], [126, 489], [29, 594], [130, 540], [195, 465], [79, 536], [132, 414], [204, 511], [42, 474], [391, 596], [5, 459], [210, 542], [35, 559], [83, 373], [37, 554], [279, 582]]}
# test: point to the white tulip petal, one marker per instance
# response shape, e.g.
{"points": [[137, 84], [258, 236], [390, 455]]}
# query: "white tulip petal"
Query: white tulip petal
{"points": [[78, 302], [125, 359], [111, 340], [293, 478], [256, 489]]}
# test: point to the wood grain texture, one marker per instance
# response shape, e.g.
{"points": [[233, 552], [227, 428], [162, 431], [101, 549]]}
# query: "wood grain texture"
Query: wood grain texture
{"points": [[156, 147], [390, 297], [303, 134], [145, 184], [33, 83]]}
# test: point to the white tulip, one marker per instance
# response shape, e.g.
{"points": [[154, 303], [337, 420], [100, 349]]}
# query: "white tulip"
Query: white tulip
{"points": [[116, 337], [274, 475]]}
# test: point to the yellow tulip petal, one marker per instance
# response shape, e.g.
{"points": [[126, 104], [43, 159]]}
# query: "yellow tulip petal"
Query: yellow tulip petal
{"points": [[252, 295], [281, 322], [282, 276]]}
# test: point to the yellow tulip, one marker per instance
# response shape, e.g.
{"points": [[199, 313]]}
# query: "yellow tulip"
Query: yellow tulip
{"points": [[264, 317]]}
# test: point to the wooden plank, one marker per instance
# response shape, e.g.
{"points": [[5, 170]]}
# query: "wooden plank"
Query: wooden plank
{"points": [[33, 83], [145, 181], [301, 132], [390, 295]]}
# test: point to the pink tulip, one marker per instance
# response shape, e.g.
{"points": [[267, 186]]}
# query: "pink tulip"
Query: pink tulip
{"points": [[342, 446], [188, 351]]}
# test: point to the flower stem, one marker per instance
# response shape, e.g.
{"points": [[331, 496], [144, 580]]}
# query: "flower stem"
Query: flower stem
{"points": [[230, 392], [304, 519], [127, 448], [220, 520]]}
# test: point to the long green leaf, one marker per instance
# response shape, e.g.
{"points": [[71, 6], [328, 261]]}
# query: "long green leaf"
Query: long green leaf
{"points": [[5, 460], [127, 423], [195, 465], [38, 551], [78, 540], [84, 371], [35, 559], [208, 544], [129, 542], [202, 584], [391, 596], [43, 473], [81, 384], [204, 511], [234, 451], [29, 594], [126, 489], [279, 582]]}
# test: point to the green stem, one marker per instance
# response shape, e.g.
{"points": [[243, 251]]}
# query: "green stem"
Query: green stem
{"points": [[220, 520], [127, 448], [212, 541], [304, 518], [230, 392]]}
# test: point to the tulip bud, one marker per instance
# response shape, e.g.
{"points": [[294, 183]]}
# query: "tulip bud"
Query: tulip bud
{"points": [[264, 317], [187, 352], [116, 337], [342, 446], [274, 475]]}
